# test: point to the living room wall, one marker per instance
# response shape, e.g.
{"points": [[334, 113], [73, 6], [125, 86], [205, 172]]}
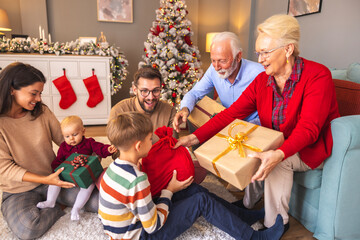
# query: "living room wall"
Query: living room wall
{"points": [[330, 37]]}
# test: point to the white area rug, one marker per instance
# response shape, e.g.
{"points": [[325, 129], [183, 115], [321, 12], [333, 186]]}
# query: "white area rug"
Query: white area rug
{"points": [[89, 227]]}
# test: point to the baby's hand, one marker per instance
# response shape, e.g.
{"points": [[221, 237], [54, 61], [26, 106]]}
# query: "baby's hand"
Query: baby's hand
{"points": [[139, 164], [112, 149]]}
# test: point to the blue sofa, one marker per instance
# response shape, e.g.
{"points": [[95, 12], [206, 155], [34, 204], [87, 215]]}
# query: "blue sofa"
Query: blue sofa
{"points": [[327, 201]]}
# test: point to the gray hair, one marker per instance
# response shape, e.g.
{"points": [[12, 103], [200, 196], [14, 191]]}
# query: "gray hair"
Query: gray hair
{"points": [[283, 28], [234, 41]]}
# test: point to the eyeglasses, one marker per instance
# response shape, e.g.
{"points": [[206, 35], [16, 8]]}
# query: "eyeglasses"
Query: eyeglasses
{"points": [[146, 92], [266, 54]]}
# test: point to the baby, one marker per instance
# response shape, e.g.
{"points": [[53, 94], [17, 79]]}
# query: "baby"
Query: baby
{"points": [[73, 131]]}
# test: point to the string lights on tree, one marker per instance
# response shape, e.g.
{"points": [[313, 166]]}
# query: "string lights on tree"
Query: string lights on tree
{"points": [[170, 49]]}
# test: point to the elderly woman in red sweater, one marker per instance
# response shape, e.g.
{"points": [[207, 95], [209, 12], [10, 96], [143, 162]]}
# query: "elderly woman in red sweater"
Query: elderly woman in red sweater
{"points": [[295, 96]]}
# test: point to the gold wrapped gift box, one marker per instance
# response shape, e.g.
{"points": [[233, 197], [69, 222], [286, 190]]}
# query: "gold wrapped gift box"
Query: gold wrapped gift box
{"points": [[226, 153], [204, 110]]}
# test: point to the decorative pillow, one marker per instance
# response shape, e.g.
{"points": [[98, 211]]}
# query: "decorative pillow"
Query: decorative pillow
{"points": [[339, 74], [162, 160], [353, 72]]}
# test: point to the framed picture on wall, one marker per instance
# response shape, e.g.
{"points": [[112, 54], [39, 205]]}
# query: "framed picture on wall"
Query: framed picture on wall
{"points": [[115, 10], [299, 8]]}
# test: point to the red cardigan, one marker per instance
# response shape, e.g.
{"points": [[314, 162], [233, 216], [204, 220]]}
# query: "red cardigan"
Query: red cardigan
{"points": [[310, 110]]}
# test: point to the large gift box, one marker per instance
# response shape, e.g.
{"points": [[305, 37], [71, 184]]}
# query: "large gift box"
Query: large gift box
{"points": [[80, 169], [226, 154], [205, 109]]}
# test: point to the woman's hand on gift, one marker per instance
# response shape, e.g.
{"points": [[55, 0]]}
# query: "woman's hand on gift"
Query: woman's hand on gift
{"points": [[269, 160], [175, 185], [52, 179], [180, 117], [187, 141]]}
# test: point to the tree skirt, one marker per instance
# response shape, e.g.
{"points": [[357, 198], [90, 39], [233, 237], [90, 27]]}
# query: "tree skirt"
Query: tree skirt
{"points": [[89, 227]]}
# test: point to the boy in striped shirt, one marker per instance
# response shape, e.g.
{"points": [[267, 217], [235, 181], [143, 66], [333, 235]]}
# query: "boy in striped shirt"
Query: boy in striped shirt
{"points": [[127, 210]]}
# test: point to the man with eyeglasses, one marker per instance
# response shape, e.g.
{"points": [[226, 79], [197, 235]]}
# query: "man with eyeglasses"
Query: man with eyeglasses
{"points": [[228, 73], [147, 89]]}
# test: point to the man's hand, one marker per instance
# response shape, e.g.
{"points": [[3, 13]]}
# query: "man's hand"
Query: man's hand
{"points": [[269, 160], [180, 117], [187, 141], [175, 185]]}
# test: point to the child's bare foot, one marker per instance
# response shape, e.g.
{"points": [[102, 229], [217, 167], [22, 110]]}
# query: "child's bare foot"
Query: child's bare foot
{"points": [[45, 204]]}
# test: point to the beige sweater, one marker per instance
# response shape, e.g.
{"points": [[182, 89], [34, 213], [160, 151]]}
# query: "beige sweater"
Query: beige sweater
{"points": [[26, 145], [163, 114]]}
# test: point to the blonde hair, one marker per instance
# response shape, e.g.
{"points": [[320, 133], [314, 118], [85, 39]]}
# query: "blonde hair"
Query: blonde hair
{"points": [[72, 120], [127, 128], [235, 44], [284, 28]]}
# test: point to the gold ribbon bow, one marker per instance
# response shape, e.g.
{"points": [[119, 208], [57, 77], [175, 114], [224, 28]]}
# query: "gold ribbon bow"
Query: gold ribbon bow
{"points": [[235, 142]]}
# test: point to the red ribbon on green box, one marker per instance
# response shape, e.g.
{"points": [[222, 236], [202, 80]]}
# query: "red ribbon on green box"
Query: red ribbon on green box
{"points": [[77, 167]]}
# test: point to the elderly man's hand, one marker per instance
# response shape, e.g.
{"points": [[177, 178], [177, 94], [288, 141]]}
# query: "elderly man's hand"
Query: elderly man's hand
{"points": [[187, 141], [269, 160], [180, 117]]}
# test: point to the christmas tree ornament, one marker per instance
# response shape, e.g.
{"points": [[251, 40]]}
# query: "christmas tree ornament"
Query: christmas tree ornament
{"points": [[66, 91], [170, 54], [169, 46], [178, 100], [94, 89]]}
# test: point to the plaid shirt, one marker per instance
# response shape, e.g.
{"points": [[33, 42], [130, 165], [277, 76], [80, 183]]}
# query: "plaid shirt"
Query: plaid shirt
{"points": [[281, 100]]}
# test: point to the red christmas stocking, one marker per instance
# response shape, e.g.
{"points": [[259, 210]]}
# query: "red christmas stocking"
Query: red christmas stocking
{"points": [[66, 91], [94, 89]]}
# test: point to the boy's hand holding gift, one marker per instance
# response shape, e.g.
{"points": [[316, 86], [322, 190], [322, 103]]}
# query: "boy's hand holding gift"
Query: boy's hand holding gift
{"points": [[175, 185], [162, 160]]}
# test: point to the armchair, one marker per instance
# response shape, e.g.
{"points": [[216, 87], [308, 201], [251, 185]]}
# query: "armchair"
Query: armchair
{"points": [[327, 201]]}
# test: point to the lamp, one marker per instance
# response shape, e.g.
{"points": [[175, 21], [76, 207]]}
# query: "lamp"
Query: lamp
{"points": [[4, 21], [209, 37]]}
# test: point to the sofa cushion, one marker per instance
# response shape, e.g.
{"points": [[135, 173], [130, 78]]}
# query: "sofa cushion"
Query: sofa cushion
{"points": [[353, 72], [309, 179], [347, 96]]}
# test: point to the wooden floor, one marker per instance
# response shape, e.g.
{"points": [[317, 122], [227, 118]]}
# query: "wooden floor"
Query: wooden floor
{"points": [[296, 230]]}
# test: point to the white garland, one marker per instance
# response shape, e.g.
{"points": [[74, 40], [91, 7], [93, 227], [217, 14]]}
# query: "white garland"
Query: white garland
{"points": [[118, 65]]}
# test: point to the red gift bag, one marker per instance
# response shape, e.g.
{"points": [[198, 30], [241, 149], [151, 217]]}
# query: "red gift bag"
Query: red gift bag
{"points": [[162, 160]]}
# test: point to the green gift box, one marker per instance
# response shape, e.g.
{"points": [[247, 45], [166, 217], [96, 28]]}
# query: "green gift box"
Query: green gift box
{"points": [[82, 176]]}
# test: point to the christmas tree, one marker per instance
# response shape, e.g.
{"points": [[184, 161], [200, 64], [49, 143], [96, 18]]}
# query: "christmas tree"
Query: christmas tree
{"points": [[170, 49]]}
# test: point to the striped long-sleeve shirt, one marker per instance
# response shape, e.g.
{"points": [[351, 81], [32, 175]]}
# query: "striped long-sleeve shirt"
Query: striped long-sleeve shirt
{"points": [[125, 202]]}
